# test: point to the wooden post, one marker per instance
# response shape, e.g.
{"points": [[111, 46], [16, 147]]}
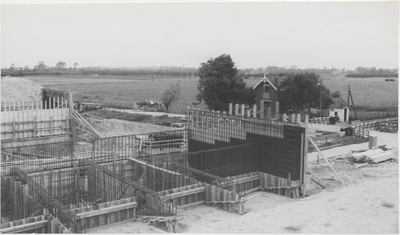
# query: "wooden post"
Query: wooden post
{"points": [[59, 182], [307, 119], [72, 128], [51, 125], [34, 126], [261, 109], [242, 110], [293, 118], [269, 114], [237, 109], [230, 108], [254, 111], [298, 118], [13, 127], [284, 117], [207, 119], [248, 113], [277, 111], [51, 182], [218, 120]]}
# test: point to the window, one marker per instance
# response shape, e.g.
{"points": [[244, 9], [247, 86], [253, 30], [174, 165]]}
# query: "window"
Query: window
{"points": [[266, 86]]}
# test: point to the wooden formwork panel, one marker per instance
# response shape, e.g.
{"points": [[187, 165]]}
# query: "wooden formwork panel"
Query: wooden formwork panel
{"points": [[37, 224], [186, 195], [19, 122], [107, 213]]}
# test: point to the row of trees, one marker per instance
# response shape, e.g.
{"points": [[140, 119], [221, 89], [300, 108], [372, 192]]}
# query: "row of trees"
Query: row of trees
{"points": [[61, 68]]}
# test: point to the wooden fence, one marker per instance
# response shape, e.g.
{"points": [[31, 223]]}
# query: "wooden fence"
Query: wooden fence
{"points": [[36, 120]]}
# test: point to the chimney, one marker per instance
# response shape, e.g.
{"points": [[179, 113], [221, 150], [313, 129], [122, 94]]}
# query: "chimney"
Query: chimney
{"points": [[276, 82]]}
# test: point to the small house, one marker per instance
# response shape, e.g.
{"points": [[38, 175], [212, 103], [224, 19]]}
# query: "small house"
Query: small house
{"points": [[267, 91], [339, 108]]}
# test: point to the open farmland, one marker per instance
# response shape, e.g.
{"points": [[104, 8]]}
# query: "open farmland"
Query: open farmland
{"points": [[130, 89], [383, 94], [122, 89]]}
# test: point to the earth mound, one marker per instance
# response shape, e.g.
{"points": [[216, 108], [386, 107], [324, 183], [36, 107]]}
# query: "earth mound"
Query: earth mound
{"points": [[18, 89]]}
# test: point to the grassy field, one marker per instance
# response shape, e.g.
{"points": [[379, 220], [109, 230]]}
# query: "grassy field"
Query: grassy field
{"points": [[131, 89], [382, 94], [123, 89]]}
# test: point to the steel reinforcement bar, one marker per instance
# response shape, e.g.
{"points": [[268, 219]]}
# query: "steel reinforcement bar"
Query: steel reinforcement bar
{"points": [[55, 207], [154, 206]]}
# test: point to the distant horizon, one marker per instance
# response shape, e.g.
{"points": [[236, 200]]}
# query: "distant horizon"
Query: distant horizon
{"points": [[256, 34], [177, 66]]}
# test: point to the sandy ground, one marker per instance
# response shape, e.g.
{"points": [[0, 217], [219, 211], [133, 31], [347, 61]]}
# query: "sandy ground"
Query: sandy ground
{"points": [[355, 207]]}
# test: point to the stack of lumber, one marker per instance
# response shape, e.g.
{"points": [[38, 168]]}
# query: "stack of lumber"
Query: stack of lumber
{"points": [[362, 156], [380, 157], [372, 156]]}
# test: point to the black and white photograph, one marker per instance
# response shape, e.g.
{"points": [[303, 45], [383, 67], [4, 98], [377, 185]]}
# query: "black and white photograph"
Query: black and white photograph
{"points": [[221, 117]]}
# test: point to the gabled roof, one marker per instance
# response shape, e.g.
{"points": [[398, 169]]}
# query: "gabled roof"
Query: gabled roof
{"points": [[338, 103], [264, 80]]}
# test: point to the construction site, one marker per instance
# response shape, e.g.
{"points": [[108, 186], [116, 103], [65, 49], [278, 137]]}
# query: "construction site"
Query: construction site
{"points": [[60, 175]]}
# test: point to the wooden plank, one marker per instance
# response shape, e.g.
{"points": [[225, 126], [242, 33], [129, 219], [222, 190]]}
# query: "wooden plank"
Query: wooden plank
{"points": [[226, 198], [247, 179], [326, 160], [214, 193], [231, 205], [24, 227]]}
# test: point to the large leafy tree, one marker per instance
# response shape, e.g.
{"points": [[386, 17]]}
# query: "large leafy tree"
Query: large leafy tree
{"points": [[219, 83], [302, 91]]}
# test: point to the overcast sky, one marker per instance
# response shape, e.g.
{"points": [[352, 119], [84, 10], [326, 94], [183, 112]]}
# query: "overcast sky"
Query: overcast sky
{"points": [[341, 34]]}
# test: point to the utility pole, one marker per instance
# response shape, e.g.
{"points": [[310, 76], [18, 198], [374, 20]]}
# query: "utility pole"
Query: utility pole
{"points": [[365, 104], [348, 100], [320, 97]]}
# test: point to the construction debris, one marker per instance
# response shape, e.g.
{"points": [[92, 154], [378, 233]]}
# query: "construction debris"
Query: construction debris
{"points": [[171, 222], [372, 156]]}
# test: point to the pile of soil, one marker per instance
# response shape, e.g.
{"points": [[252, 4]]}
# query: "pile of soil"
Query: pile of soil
{"points": [[135, 117], [18, 89], [114, 127]]}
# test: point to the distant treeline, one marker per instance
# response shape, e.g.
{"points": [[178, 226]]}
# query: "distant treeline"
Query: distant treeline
{"points": [[33, 72], [369, 75], [176, 72]]}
